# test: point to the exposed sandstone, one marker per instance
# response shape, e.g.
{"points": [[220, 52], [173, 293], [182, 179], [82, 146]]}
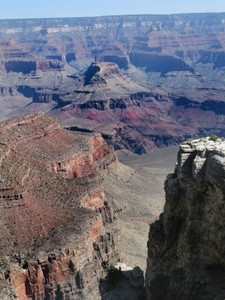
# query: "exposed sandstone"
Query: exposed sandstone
{"points": [[53, 236], [186, 245]]}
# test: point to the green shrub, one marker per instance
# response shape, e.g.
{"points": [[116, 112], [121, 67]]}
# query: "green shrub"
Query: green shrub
{"points": [[213, 138], [113, 275]]}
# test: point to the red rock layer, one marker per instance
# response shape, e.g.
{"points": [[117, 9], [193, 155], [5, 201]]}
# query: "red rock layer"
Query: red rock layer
{"points": [[86, 164], [53, 209]]}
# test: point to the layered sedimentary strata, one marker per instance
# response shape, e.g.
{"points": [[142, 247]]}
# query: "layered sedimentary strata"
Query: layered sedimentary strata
{"points": [[186, 245], [94, 71], [133, 117], [15, 58], [53, 210]]}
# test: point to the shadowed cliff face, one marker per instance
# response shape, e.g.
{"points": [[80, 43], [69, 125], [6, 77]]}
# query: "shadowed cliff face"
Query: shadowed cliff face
{"points": [[186, 245], [142, 81], [53, 210]]}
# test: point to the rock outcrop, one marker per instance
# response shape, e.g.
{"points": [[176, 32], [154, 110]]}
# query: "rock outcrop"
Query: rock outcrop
{"points": [[53, 210], [186, 245]]}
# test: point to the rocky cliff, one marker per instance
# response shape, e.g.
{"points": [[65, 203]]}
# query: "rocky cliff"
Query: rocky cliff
{"points": [[53, 210], [186, 245]]}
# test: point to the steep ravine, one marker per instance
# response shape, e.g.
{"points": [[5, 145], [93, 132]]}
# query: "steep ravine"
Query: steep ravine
{"points": [[186, 245]]}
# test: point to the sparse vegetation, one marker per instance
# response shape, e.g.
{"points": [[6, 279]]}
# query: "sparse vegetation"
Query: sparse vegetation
{"points": [[213, 138], [113, 275]]}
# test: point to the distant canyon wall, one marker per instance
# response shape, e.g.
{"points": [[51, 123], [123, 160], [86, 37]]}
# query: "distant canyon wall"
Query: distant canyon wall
{"points": [[157, 43]]}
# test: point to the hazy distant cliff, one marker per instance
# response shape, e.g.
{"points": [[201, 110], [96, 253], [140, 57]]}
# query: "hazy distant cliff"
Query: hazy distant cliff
{"points": [[174, 39], [186, 245]]}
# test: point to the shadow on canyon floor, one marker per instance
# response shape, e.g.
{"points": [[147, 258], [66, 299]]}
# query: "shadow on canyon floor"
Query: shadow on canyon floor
{"points": [[122, 282], [136, 191]]}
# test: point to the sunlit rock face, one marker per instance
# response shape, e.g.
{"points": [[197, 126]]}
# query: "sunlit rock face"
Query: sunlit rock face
{"points": [[186, 245], [53, 210]]}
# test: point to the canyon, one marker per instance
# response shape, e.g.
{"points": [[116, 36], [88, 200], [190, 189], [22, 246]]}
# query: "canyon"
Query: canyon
{"points": [[142, 81], [71, 91]]}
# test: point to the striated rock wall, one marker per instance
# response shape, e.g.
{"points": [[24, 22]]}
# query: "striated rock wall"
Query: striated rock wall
{"points": [[53, 234], [8, 91], [186, 245], [26, 67], [72, 272]]}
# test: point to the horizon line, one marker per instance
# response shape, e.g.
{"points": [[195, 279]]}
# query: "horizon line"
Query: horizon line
{"points": [[113, 15]]}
